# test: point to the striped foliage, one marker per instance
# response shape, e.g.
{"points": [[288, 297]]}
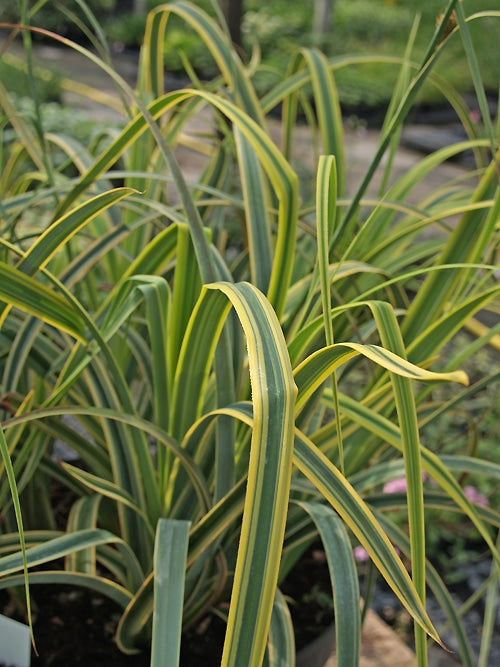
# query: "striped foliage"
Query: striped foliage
{"points": [[242, 362]]}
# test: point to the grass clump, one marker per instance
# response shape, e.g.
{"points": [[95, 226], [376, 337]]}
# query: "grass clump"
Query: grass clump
{"points": [[239, 369]]}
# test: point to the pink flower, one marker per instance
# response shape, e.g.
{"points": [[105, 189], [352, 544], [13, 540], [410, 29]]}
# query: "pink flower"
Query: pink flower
{"points": [[397, 485], [476, 496], [475, 116], [360, 554]]}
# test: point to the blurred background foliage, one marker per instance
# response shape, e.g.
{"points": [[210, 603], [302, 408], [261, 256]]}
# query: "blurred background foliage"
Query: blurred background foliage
{"points": [[274, 30]]}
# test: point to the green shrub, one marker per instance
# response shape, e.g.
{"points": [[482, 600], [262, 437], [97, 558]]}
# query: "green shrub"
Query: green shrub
{"points": [[370, 25], [15, 80], [55, 16], [127, 29]]}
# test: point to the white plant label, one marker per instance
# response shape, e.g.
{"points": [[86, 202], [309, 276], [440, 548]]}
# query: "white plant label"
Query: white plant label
{"points": [[15, 643]]}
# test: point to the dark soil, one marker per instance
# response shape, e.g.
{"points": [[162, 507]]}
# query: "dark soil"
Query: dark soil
{"points": [[76, 626], [73, 627], [202, 644], [309, 595]]}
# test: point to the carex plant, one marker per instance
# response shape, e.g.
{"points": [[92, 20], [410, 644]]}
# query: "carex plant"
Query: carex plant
{"points": [[238, 367]]}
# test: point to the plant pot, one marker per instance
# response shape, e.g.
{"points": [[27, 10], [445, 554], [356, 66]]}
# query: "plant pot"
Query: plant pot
{"points": [[380, 646], [318, 652]]}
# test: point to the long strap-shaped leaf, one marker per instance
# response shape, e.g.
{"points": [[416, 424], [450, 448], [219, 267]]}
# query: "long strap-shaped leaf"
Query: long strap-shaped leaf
{"points": [[281, 645], [24, 134], [438, 470], [18, 289], [103, 586], [466, 244], [270, 468], [335, 488], [326, 207], [282, 177], [269, 472], [476, 77], [121, 302], [65, 545], [327, 106], [63, 229], [146, 427], [255, 201], [344, 578], [169, 572], [83, 515], [107, 489], [4, 452], [214, 39], [434, 50], [438, 588], [312, 331], [312, 372], [407, 415]]}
